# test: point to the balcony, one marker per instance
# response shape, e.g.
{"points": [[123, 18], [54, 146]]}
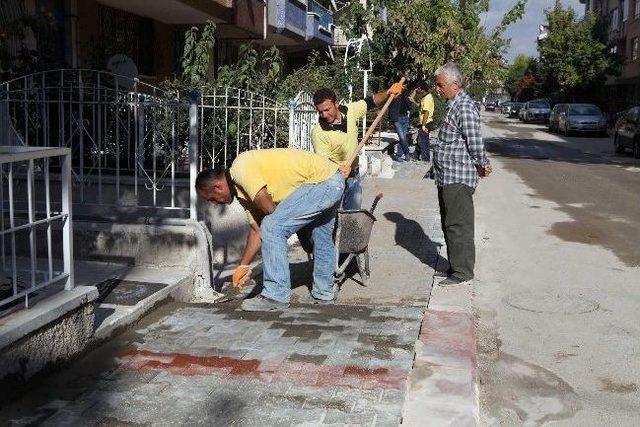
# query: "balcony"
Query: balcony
{"points": [[289, 19], [179, 12], [319, 22]]}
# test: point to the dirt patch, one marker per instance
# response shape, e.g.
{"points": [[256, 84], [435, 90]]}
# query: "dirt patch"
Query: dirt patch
{"points": [[617, 387]]}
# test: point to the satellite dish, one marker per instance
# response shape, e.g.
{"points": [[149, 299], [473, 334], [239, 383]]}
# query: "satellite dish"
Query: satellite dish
{"points": [[125, 68]]}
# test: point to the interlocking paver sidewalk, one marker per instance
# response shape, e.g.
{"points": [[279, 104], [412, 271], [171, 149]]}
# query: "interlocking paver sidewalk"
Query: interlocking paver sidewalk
{"points": [[346, 364], [216, 365]]}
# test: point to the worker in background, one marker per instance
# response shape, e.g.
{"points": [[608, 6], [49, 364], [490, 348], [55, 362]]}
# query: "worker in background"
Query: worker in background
{"points": [[426, 107]]}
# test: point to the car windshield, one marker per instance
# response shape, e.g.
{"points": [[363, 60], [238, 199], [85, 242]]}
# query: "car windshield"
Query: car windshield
{"points": [[517, 104], [584, 110], [538, 105]]}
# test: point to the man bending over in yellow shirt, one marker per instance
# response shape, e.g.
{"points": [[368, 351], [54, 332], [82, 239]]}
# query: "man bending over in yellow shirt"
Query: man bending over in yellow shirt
{"points": [[282, 190]]}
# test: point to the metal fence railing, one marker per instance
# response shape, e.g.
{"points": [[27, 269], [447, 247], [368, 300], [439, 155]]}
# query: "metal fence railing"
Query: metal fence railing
{"points": [[33, 213], [302, 118], [134, 145]]}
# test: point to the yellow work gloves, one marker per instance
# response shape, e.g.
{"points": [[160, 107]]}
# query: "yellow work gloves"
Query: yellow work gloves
{"points": [[395, 89], [241, 275]]}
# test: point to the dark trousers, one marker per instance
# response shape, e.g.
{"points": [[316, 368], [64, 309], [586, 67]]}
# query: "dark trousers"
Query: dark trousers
{"points": [[423, 146], [457, 218]]}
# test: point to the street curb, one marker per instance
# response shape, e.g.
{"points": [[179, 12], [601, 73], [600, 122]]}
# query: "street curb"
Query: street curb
{"points": [[442, 388]]}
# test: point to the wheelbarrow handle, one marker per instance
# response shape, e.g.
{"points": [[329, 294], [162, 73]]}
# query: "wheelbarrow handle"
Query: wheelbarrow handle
{"points": [[375, 202]]}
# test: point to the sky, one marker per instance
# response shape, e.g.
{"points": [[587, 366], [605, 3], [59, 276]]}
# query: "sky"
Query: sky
{"points": [[524, 32]]}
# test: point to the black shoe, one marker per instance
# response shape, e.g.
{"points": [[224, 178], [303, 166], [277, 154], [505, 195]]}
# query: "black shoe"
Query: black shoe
{"points": [[454, 281]]}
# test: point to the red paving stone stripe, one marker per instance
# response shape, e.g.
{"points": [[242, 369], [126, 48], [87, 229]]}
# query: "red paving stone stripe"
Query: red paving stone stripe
{"points": [[299, 373], [450, 333]]}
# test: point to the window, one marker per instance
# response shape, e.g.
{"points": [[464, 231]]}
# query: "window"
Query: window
{"points": [[123, 32], [625, 10], [614, 19], [634, 48], [637, 11]]}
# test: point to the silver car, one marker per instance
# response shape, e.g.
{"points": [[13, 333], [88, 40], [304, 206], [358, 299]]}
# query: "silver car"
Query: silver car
{"points": [[536, 111], [580, 118]]}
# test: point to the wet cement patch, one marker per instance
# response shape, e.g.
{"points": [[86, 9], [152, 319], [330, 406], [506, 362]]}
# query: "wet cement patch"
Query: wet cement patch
{"points": [[612, 386], [514, 391], [598, 194]]}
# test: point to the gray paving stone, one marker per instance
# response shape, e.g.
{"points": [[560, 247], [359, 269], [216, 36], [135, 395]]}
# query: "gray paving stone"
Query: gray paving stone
{"points": [[217, 366]]}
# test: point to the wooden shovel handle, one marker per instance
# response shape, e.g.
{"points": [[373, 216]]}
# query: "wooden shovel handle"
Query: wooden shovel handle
{"points": [[372, 127]]}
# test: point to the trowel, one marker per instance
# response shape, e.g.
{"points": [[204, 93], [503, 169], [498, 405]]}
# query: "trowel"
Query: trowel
{"points": [[231, 293]]}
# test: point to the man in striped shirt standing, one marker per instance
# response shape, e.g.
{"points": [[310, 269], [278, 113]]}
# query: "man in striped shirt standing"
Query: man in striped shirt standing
{"points": [[459, 160]]}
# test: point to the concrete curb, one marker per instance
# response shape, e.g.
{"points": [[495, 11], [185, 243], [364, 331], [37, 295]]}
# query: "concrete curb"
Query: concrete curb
{"points": [[23, 322], [442, 389]]}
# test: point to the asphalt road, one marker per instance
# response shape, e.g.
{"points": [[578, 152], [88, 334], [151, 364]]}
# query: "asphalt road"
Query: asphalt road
{"points": [[557, 280], [599, 189]]}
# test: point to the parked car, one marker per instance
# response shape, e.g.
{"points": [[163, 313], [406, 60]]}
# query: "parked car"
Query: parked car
{"points": [[491, 106], [555, 115], [536, 111], [626, 133], [511, 109], [517, 106], [582, 118]]}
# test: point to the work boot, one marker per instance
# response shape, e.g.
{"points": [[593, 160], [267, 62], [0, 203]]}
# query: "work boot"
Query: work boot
{"points": [[261, 303], [310, 299]]}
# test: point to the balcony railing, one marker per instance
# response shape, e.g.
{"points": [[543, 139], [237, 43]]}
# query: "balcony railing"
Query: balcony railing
{"points": [[325, 15]]}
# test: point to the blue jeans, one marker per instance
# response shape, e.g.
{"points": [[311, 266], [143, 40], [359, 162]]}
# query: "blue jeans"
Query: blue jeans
{"points": [[352, 193], [423, 145], [312, 205], [402, 127]]}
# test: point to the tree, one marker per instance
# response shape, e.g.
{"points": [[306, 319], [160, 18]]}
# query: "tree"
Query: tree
{"points": [[574, 59], [196, 56], [256, 72], [519, 76], [415, 37]]}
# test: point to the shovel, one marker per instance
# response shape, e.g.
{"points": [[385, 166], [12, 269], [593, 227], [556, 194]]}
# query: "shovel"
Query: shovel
{"points": [[372, 128], [233, 293]]}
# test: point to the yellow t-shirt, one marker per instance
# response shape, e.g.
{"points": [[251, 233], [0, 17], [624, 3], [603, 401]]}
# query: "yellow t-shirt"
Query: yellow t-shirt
{"points": [[281, 170], [337, 142], [427, 104]]}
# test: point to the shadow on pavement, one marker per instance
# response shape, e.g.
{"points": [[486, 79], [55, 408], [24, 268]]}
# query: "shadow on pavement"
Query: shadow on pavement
{"points": [[536, 149], [410, 235]]}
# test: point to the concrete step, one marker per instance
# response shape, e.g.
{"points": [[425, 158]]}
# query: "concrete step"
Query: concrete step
{"points": [[127, 296]]}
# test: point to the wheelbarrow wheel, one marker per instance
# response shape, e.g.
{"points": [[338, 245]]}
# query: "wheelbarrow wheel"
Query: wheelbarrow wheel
{"points": [[363, 267]]}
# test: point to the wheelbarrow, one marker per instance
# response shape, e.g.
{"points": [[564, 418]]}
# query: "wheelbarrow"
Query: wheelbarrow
{"points": [[353, 231], [352, 234]]}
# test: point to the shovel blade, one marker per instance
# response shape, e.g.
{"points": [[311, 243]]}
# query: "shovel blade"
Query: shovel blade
{"points": [[231, 293]]}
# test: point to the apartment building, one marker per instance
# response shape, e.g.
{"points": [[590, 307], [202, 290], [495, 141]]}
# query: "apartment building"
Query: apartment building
{"points": [[85, 33], [623, 34]]}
